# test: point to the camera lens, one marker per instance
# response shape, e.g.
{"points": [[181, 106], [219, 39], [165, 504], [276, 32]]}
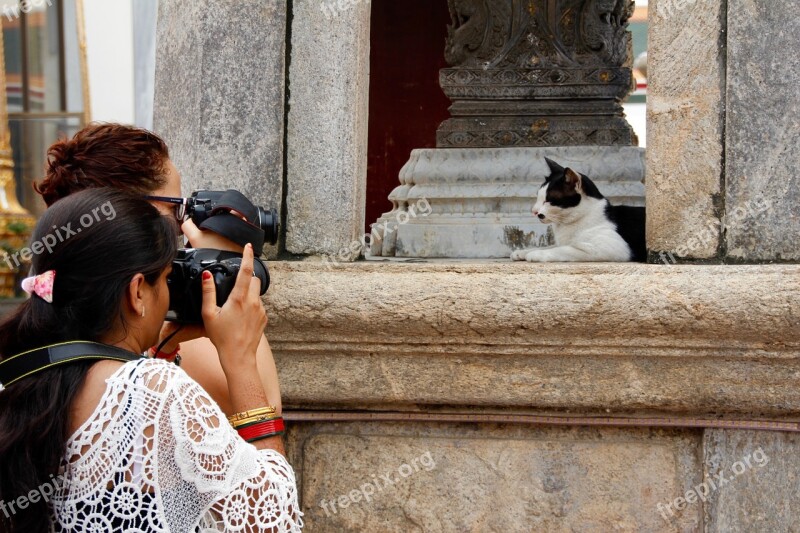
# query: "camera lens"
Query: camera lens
{"points": [[268, 220]]}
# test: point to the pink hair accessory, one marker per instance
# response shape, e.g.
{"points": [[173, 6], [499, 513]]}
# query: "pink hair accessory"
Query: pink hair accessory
{"points": [[41, 285]]}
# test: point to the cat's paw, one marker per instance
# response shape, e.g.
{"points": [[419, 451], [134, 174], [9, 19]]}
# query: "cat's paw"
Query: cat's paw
{"points": [[537, 256], [519, 255]]}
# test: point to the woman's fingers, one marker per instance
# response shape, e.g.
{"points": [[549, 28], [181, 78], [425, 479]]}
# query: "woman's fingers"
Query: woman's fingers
{"points": [[245, 277], [210, 309]]}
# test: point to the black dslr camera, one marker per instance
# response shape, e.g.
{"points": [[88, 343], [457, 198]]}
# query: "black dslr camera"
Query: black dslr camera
{"points": [[212, 210], [186, 281], [230, 214]]}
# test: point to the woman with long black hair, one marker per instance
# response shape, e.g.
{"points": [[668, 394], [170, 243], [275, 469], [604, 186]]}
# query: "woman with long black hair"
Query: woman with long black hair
{"points": [[136, 446]]}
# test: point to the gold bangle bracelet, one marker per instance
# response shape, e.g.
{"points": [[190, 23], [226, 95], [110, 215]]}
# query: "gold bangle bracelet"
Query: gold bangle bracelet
{"points": [[253, 420], [263, 411]]}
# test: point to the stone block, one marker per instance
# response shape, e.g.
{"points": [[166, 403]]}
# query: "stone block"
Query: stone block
{"points": [[686, 126], [219, 100], [761, 487], [762, 153], [477, 478], [327, 127], [610, 338]]}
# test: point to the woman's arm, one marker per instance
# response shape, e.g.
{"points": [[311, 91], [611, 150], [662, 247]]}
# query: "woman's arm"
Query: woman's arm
{"points": [[199, 358]]}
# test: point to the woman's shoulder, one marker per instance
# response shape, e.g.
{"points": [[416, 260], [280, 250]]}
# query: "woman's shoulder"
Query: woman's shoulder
{"points": [[109, 377], [155, 375]]}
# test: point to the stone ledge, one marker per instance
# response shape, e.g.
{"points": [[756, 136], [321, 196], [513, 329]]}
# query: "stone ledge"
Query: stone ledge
{"points": [[610, 338]]}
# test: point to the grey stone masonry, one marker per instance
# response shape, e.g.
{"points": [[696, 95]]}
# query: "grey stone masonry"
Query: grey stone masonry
{"points": [[219, 101], [753, 480], [685, 127], [722, 135], [763, 128], [327, 128]]}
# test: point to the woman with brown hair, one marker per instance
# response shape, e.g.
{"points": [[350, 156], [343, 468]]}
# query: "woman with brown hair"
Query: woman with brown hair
{"points": [[137, 161]]}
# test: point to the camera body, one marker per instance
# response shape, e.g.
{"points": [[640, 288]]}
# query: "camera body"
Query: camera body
{"points": [[186, 281], [203, 205]]}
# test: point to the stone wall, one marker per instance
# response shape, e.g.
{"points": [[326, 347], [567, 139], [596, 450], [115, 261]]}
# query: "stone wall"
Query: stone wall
{"points": [[722, 130], [220, 86]]}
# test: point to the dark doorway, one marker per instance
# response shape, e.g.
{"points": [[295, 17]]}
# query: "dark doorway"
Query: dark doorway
{"points": [[406, 104]]}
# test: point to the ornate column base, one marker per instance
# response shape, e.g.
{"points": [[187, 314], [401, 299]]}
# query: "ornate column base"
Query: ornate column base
{"points": [[476, 203]]}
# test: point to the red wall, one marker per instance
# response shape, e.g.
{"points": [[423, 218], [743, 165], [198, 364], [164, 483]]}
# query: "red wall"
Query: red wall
{"points": [[406, 104]]}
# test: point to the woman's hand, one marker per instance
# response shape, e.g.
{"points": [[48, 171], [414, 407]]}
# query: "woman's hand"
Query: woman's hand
{"points": [[207, 239], [236, 328]]}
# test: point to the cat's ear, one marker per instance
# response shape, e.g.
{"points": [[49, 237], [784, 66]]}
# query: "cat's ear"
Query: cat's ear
{"points": [[573, 179], [555, 168]]}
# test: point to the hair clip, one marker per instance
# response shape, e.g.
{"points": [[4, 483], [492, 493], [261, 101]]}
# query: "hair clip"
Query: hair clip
{"points": [[41, 285]]}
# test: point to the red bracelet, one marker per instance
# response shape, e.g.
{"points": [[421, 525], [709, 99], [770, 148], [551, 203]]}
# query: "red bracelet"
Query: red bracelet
{"points": [[262, 430]]}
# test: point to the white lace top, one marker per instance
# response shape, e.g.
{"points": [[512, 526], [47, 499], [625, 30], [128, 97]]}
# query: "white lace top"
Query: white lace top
{"points": [[158, 454]]}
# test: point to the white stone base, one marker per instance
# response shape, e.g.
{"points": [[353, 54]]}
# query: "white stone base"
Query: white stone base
{"points": [[476, 203]]}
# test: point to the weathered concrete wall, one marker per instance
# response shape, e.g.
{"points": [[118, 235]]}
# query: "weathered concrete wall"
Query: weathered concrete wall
{"points": [[219, 100], [723, 80], [327, 128], [762, 181], [685, 127]]}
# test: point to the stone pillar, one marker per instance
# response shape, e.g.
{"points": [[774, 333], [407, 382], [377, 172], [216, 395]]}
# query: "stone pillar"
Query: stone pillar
{"points": [[686, 127], [528, 80], [219, 95], [762, 155], [327, 128], [724, 117]]}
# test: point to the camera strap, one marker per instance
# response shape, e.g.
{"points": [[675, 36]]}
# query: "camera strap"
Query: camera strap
{"points": [[233, 227], [28, 363]]}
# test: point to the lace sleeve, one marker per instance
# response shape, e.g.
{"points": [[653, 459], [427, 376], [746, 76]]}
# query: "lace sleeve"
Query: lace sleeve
{"points": [[239, 488]]}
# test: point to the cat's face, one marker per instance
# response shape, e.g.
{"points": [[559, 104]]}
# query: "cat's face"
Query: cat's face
{"points": [[561, 193]]}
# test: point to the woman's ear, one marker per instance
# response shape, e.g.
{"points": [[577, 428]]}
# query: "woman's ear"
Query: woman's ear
{"points": [[135, 295]]}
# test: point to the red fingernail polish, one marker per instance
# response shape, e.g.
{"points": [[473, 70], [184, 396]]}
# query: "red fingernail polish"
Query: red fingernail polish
{"points": [[206, 275]]}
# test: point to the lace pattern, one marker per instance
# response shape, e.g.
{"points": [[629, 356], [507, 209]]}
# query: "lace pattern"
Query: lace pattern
{"points": [[158, 455]]}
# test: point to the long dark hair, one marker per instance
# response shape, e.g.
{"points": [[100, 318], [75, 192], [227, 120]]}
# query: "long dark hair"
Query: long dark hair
{"points": [[94, 266]]}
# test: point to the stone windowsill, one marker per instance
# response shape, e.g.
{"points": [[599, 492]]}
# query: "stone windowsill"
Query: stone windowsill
{"points": [[532, 338]]}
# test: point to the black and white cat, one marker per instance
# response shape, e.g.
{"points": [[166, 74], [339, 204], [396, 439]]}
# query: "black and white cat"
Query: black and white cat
{"points": [[586, 226]]}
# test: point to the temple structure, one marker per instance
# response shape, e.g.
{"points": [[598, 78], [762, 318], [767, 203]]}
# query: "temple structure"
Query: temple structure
{"points": [[473, 395]]}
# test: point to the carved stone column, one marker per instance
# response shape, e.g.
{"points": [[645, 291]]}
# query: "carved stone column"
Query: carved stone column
{"points": [[537, 73], [528, 79]]}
